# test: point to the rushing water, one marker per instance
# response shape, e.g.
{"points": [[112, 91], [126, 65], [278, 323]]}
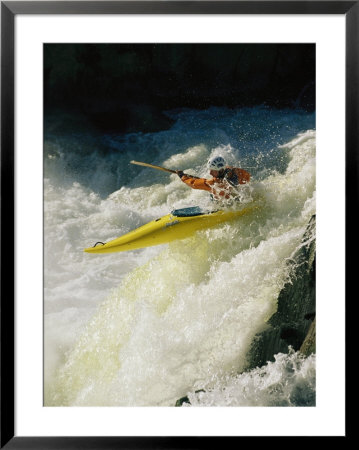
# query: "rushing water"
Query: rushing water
{"points": [[150, 326]]}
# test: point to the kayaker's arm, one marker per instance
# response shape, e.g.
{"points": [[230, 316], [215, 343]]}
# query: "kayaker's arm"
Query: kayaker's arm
{"points": [[215, 186], [195, 182]]}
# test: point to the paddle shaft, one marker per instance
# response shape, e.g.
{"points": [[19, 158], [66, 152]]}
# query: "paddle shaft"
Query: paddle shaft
{"points": [[162, 168], [152, 166]]}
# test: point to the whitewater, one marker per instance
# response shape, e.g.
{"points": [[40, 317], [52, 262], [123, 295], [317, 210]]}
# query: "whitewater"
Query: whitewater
{"points": [[150, 326]]}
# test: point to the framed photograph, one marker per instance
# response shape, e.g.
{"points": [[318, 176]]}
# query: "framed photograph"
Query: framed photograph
{"points": [[175, 185]]}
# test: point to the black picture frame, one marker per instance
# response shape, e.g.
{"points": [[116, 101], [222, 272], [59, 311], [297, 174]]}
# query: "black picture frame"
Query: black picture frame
{"points": [[9, 10]]}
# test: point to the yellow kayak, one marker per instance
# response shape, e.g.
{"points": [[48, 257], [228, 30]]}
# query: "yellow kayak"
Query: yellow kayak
{"points": [[179, 224]]}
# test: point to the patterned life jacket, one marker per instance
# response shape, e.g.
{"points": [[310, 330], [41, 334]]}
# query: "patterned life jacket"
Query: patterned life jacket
{"points": [[219, 187]]}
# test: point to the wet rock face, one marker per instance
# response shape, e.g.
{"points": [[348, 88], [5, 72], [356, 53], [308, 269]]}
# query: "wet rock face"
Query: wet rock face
{"points": [[127, 87], [294, 322]]}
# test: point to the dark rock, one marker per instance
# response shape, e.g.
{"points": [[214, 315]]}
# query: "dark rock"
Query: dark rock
{"points": [[126, 87], [131, 119], [309, 316], [185, 399], [294, 322], [182, 400], [308, 346]]}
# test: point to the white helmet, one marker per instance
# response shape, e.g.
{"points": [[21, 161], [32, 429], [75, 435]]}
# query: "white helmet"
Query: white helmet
{"points": [[216, 163]]}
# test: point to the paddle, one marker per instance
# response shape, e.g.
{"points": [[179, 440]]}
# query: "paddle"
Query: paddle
{"points": [[153, 166], [167, 170]]}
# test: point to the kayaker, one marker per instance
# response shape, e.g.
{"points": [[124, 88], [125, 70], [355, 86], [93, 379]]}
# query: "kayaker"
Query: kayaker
{"points": [[224, 182]]}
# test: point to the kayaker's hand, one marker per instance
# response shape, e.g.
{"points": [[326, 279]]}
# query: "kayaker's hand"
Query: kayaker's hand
{"points": [[180, 173]]}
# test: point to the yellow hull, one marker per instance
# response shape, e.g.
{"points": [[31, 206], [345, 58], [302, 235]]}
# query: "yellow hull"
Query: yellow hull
{"points": [[167, 229]]}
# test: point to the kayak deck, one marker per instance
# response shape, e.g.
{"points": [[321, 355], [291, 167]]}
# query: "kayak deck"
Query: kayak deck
{"points": [[179, 224]]}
